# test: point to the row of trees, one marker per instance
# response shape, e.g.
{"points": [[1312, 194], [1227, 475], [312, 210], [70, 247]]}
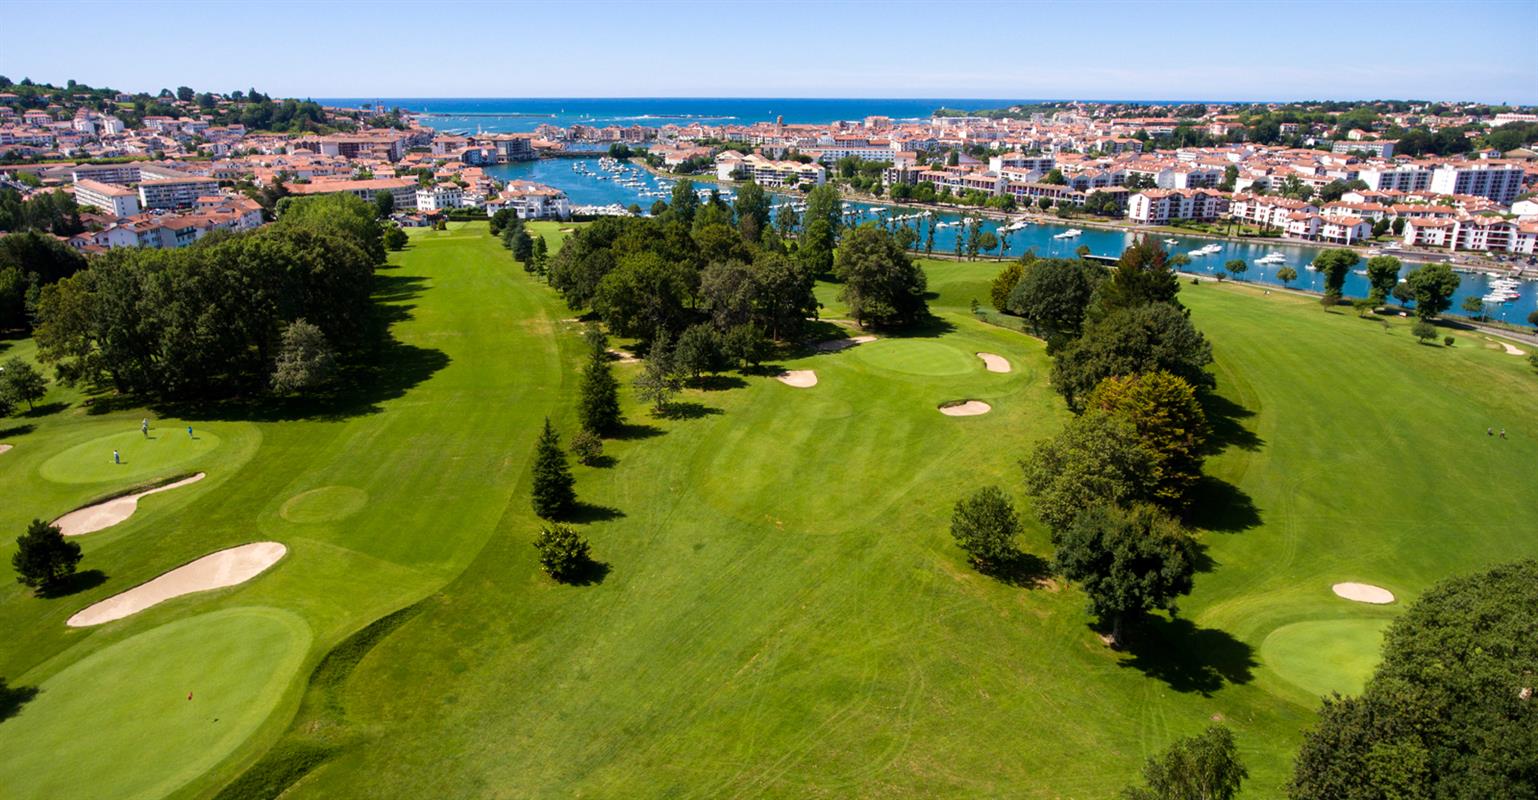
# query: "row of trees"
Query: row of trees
{"points": [[1429, 287], [30, 261], [224, 315], [1111, 485]]}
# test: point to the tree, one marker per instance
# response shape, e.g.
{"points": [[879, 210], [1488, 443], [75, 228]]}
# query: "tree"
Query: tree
{"points": [[745, 344], [882, 285], [1151, 338], [1052, 296], [43, 557], [1432, 287], [1335, 265], [1004, 283], [1201, 767], [21, 382], [1532, 318], [305, 359], [1169, 422], [752, 208], [384, 205], [395, 238], [686, 201], [1383, 275], [1450, 710], [1287, 275], [987, 241], [587, 447], [659, 379], [1144, 274], [985, 525], [698, 351], [563, 553], [598, 408], [1474, 306], [1236, 267], [1424, 330], [553, 494], [1129, 561], [541, 255], [1098, 458], [644, 294]]}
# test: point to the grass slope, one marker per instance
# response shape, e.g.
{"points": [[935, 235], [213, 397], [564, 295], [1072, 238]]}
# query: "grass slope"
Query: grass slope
{"points": [[783, 612]]}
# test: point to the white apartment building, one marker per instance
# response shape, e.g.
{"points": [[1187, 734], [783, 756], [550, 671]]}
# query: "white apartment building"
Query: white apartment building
{"points": [[115, 200], [1499, 182], [1403, 178], [439, 197], [1380, 148], [106, 173], [531, 200], [1158, 206], [733, 165], [1483, 234], [178, 192], [404, 190]]}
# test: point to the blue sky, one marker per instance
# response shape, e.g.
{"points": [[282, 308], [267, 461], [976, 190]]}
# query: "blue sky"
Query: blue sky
{"points": [[1232, 50]]}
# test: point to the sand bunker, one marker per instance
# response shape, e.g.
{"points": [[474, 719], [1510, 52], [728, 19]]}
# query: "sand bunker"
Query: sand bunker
{"points": [[994, 363], [213, 571], [1364, 593], [623, 357], [4, 447], [969, 408], [835, 345], [110, 512], [799, 378], [1512, 350]]}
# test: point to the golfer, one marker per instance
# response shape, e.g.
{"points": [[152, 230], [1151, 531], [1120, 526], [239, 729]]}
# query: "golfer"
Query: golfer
{"points": [[144, 427], [115, 458]]}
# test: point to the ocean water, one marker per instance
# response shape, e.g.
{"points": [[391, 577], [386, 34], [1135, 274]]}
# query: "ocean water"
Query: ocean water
{"points": [[525, 114]]}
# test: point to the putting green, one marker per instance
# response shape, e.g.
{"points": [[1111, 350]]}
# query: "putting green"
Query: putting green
{"points": [[118, 722], [325, 504], [1323, 656], [917, 357], [159, 456]]}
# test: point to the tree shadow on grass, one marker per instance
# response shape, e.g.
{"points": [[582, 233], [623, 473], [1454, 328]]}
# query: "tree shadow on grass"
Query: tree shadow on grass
{"points": [[1226, 430], [1186, 657], [589, 573], [17, 430], [12, 698], [584, 513], [686, 409], [1021, 569], [630, 432], [1217, 505], [45, 409], [718, 383], [931, 327], [78, 582]]}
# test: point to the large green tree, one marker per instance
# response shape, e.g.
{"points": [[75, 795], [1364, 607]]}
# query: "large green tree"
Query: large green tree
{"points": [[1097, 459], [1383, 275], [1144, 274], [1432, 286], [20, 382], [985, 524], [1335, 265], [43, 557], [881, 284], [1052, 296], [1170, 423], [1148, 338], [553, 495], [1451, 710], [598, 408], [1128, 561], [752, 208]]}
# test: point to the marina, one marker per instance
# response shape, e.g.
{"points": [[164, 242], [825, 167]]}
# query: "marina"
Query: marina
{"points": [[601, 182]]}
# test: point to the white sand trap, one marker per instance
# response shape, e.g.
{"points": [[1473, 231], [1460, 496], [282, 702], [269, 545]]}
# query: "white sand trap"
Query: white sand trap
{"points": [[623, 357], [213, 571], [4, 447], [1364, 593], [970, 408], [835, 345], [995, 363], [1512, 350], [110, 512], [799, 378]]}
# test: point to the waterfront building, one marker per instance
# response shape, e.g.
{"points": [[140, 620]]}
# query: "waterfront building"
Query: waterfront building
{"points": [[1160, 206]]}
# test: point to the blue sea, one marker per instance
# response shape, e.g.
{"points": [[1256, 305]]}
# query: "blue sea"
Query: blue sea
{"points": [[525, 114]]}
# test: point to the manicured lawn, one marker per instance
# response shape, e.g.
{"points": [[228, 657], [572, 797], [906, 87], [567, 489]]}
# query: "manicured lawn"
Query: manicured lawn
{"points": [[154, 711], [783, 612]]}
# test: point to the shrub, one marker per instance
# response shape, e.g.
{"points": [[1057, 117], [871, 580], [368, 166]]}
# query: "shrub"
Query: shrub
{"points": [[587, 447], [1424, 331], [985, 526], [1448, 341], [43, 557], [562, 551]]}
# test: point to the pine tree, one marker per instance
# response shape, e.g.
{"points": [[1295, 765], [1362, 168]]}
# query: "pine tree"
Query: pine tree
{"points": [[598, 402], [553, 494]]}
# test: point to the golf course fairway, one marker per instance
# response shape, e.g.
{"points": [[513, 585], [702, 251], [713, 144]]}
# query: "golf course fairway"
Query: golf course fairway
{"points": [[781, 610]]}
